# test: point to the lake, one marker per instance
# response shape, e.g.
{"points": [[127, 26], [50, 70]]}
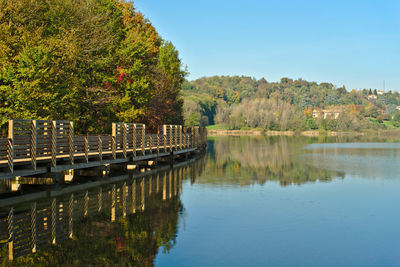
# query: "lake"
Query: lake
{"points": [[253, 201]]}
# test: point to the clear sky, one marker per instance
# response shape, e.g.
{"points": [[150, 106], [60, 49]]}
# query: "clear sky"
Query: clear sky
{"points": [[352, 43]]}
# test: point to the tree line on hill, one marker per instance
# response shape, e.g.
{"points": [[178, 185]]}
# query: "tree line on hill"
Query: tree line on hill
{"points": [[240, 102], [94, 62]]}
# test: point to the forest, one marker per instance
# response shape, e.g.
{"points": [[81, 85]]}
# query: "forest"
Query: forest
{"points": [[240, 102], [93, 62]]}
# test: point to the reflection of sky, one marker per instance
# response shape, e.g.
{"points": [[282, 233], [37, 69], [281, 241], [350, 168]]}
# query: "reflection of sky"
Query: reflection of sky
{"points": [[366, 160], [349, 222]]}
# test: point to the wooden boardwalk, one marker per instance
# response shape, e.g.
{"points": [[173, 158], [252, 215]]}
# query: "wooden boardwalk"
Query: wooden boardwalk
{"points": [[41, 146]]}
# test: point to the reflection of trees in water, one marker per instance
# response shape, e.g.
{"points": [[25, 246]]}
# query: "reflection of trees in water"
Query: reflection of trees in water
{"points": [[131, 241], [249, 160]]}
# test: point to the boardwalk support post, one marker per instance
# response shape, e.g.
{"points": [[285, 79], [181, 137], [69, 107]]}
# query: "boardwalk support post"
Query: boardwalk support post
{"points": [[54, 144], [10, 149], [33, 144], [71, 142]]}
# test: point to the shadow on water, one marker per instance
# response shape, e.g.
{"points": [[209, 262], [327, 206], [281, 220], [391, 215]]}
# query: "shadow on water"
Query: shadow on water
{"points": [[122, 220]]}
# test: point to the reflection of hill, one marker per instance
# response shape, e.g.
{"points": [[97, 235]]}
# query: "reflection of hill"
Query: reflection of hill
{"points": [[250, 160]]}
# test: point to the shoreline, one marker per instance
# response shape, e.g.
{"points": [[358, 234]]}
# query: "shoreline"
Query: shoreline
{"points": [[310, 133]]}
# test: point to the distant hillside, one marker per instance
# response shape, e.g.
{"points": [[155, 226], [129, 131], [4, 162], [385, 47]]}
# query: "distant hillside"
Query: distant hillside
{"points": [[239, 102]]}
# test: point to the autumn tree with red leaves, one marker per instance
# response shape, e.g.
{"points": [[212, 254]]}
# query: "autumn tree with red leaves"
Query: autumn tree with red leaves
{"points": [[93, 62]]}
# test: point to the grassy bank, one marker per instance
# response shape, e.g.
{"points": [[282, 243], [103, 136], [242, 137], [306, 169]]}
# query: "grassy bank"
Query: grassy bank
{"points": [[216, 130]]}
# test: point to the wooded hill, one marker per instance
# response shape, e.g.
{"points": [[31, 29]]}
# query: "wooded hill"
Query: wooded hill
{"points": [[240, 102]]}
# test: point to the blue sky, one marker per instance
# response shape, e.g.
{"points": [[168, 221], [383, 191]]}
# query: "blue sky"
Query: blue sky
{"points": [[351, 43]]}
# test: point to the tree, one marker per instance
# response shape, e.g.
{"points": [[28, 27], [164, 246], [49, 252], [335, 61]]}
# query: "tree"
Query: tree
{"points": [[312, 124], [94, 62], [191, 113], [391, 109], [222, 114]]}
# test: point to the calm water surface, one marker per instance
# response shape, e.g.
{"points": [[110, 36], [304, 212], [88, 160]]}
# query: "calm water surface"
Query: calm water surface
{"points": [[285, 202], [258, 201]]}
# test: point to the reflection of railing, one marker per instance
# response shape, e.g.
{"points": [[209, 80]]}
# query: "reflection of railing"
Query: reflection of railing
{"points": [[53, 143], [47, 221]]}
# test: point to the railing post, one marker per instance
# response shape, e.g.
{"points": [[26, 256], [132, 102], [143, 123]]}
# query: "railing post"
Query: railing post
{"points": [[34, 228], [71, 142], [54, 143], [180, 136], [144, 139], [158, 143], [33, 143], [86, 139], [10, 221], [165, 142], [124, 139], [100, 147], [171, 137], [193, 136], [71, 216], [10, 150], [134, 140], [176, 137], [54, 221], [151, 144], [114, 141]]}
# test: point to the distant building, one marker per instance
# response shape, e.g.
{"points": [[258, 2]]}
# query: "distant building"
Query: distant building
{"points": [[372, 97], [398, 107], [380, 92], [317, 113], [331, 113]]}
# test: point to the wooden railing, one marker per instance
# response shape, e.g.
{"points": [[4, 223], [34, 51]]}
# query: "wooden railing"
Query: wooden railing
{"points": [[30, 142]]}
